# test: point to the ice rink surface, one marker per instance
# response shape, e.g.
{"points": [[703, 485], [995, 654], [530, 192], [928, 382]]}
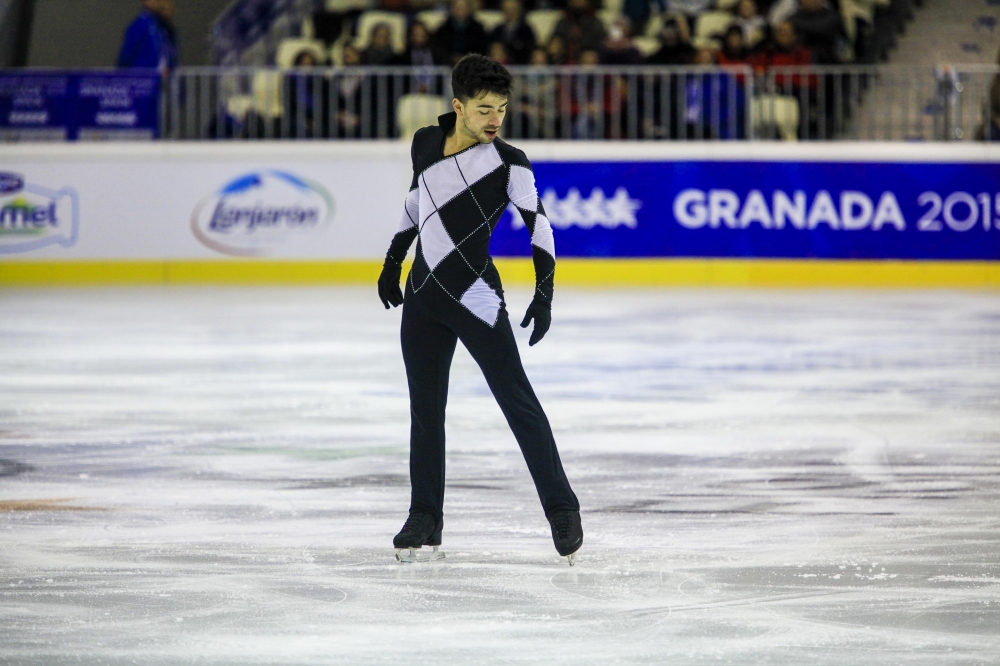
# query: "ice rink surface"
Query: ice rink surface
{"points": [[214, 476]]}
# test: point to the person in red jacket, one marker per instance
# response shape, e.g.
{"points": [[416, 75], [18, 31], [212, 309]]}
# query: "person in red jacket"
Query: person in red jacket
{"points": [[784, 51], [734, 50]]}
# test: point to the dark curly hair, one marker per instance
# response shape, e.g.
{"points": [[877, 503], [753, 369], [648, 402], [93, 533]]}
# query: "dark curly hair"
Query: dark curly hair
{"points": [[475, 75]]}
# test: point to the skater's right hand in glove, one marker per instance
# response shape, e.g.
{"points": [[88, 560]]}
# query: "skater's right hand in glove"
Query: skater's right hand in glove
{"points": [[541, 312], [388, 283]]}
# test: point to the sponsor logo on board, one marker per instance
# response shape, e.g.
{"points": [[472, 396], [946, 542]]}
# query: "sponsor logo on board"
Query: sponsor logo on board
{"points": [[260, 211], [597, 210], [33, 217]]}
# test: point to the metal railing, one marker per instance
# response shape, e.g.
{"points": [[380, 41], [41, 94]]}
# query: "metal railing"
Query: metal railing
{"points": [[877, 103], [692, 103], [970, 102]]}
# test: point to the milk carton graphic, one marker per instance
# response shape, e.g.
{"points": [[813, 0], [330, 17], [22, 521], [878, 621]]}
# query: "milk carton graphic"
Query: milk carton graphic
{"points": [[33, 217]]}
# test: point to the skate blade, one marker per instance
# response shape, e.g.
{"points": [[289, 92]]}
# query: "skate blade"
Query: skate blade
{"points": [[411, 555], [571, 558]]}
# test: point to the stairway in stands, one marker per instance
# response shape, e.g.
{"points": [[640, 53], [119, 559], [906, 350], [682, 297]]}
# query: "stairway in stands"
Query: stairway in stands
{"points": [[951, 31], [904, 104]]}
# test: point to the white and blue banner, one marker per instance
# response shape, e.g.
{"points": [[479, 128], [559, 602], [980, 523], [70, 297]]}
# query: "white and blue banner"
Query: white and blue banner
{"points": [[773, 209], [342, 200]]}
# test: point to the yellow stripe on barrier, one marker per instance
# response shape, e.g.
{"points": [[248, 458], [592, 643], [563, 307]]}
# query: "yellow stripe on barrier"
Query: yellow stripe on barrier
{"points": [[569, 272], [188, 272]]}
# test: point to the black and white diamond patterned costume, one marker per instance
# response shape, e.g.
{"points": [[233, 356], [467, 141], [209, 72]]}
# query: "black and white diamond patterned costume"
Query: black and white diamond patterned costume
{"points": [[452, 208], [453, 292]]}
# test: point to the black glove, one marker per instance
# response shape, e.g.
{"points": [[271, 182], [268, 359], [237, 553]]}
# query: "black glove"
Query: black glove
{"points": [[541, 312], [388, 283]]}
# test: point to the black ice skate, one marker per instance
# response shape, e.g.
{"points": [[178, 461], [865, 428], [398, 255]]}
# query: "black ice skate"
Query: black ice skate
{"points": [[421, 529], [567, 533]]}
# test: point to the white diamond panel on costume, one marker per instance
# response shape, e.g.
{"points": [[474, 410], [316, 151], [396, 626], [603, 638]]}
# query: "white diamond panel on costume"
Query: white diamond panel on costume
{"points": [[435, 241], [439, 184], [411, 211], [542, 237], [482, 301], [521, 188], [479, 162]]}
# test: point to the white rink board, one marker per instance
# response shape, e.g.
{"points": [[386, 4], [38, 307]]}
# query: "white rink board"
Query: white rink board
{"points": [[138, 201]]}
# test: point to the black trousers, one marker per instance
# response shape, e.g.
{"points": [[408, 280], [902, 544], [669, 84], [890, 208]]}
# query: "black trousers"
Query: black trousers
{"points": [[432, 324]]}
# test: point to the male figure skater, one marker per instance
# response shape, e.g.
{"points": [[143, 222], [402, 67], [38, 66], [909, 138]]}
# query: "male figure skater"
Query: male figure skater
{"points": [[464, 177]]}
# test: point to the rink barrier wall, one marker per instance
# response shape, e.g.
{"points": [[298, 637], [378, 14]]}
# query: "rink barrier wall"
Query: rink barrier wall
{"points": [[135, 210], [780, 273]]}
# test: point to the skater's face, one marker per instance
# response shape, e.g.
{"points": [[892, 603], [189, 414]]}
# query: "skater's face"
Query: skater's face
{"points": [[480, 117]]}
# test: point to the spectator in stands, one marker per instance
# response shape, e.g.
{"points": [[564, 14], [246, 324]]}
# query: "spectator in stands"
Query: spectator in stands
{"points": [[581, 102], [993, 132], [459, 35], [361, 108], [715, 102], [639, 11], [514, 33], [618, 48], [783, 50], [498, 52], [379, 50], [305, 60], [150, 40], [580, 30], [419, 52], [781, 11], [751, 22], [990, 130], [305, 94], [536, 114], [734, 50], [690, 8], [675, 44], [395, 5], [556, 51], [348, 92], [820, 28]]}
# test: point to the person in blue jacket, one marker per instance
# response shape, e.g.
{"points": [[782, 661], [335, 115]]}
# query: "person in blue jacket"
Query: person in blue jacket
{"points": [[150, 40]]}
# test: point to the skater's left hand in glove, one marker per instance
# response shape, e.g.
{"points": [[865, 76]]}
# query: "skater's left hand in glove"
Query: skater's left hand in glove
{"points": [[388, 283], [541, 312]]}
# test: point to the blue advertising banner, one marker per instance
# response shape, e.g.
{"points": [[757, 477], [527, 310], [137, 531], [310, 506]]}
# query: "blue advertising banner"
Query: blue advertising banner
{"points": [[826, 210], [119, 103], [68, 106], [35, 105]]}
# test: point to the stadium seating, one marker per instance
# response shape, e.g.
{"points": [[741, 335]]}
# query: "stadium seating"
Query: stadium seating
{"points": [[432, 18], [348, 5], [489, 18], [709, 26], [288, 49], [396, 23], [416, 111], [776, 112], [266, 94], [647, 45], [543, 22], [608, 17]]}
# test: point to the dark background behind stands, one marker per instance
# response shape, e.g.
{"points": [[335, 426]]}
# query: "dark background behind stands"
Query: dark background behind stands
{"points": [[88, 33]]}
